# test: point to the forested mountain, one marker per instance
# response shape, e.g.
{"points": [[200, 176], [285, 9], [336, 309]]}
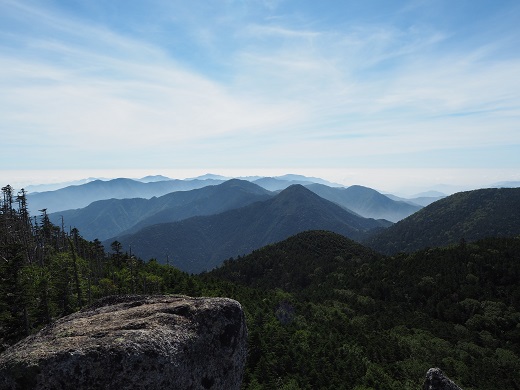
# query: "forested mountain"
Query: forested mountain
{"points": [[302, 261], [322, 311], [74, 197], [201, 243], [466, 215], [365, 201], [107, 218], [343, 316]]}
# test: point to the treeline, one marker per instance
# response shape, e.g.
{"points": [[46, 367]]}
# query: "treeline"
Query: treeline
{"points": [[47, 272]]}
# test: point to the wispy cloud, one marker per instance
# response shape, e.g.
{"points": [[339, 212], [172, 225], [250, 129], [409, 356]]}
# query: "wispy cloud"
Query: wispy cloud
{"points": [[123, 92], [252, 89]]}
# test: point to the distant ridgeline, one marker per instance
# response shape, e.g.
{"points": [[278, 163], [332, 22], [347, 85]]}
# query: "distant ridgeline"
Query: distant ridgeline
{"points": [[322, 311], [201, 243], [471, 215]]}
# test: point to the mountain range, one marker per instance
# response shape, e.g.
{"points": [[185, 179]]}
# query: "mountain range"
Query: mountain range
{"points": [[103, 219], [221, 219], [107, 218], [322, 310], [77, 196], [84, 192], [439, 288], [202, 243]]}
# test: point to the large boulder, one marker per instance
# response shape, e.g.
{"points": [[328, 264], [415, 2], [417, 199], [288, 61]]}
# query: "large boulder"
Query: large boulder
{"points": [[134, 342], [435, 380]]}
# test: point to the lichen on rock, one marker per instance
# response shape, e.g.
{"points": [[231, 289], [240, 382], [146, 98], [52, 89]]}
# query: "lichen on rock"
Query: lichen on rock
{"points": [[134, 342]]}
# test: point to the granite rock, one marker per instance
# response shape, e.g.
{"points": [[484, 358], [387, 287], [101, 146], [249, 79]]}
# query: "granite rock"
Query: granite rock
{"points": [[134, 342]]}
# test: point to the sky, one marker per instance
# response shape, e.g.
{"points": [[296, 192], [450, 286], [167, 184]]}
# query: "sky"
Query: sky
{"points": [[394, 94]]}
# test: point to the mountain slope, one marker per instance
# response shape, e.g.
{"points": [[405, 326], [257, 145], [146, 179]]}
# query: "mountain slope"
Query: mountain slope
{"points": [[201, 243], [366, 202], [74, 197], [457, 307], [470, 215], [297, 262], [107, 218]]}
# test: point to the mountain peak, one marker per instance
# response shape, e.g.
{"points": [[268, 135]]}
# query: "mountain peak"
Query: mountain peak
{"points": [[295, 187], [298, 190]]}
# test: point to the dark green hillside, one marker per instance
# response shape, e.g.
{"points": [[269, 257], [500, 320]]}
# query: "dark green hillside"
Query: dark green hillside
{"points": [[344, 317], [107, 218], [202, 243], [467, 215], [298, 262]]}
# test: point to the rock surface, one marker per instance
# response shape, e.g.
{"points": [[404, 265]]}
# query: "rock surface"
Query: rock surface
{"points": [[134, 342], [435, 380]]}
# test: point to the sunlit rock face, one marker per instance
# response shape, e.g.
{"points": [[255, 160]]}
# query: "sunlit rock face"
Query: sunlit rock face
{"points": [[435, 380], [134, 342]]}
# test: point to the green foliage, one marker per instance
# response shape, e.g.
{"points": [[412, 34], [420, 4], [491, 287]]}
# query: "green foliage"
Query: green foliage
{"points": [[360, 320], [46, 273]]}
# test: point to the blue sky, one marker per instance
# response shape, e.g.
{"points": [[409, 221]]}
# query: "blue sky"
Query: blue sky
{"points": [[380, 93]]}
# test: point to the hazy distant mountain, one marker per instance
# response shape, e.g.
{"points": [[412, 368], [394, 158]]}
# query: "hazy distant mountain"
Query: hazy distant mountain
{"points": [[426, 200], [273, 184], [422, 201], [153, 178], [366, 202], [74, 197], [220, 177], [107, 218], [201, 243], [56, 186], [210, 176], [430, 194], [279, 183], [307, 179], [507, 184], [470, 215]]}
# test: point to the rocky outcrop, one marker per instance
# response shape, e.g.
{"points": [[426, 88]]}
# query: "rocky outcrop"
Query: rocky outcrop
{"points": [[435, 380], [134, 342]]}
